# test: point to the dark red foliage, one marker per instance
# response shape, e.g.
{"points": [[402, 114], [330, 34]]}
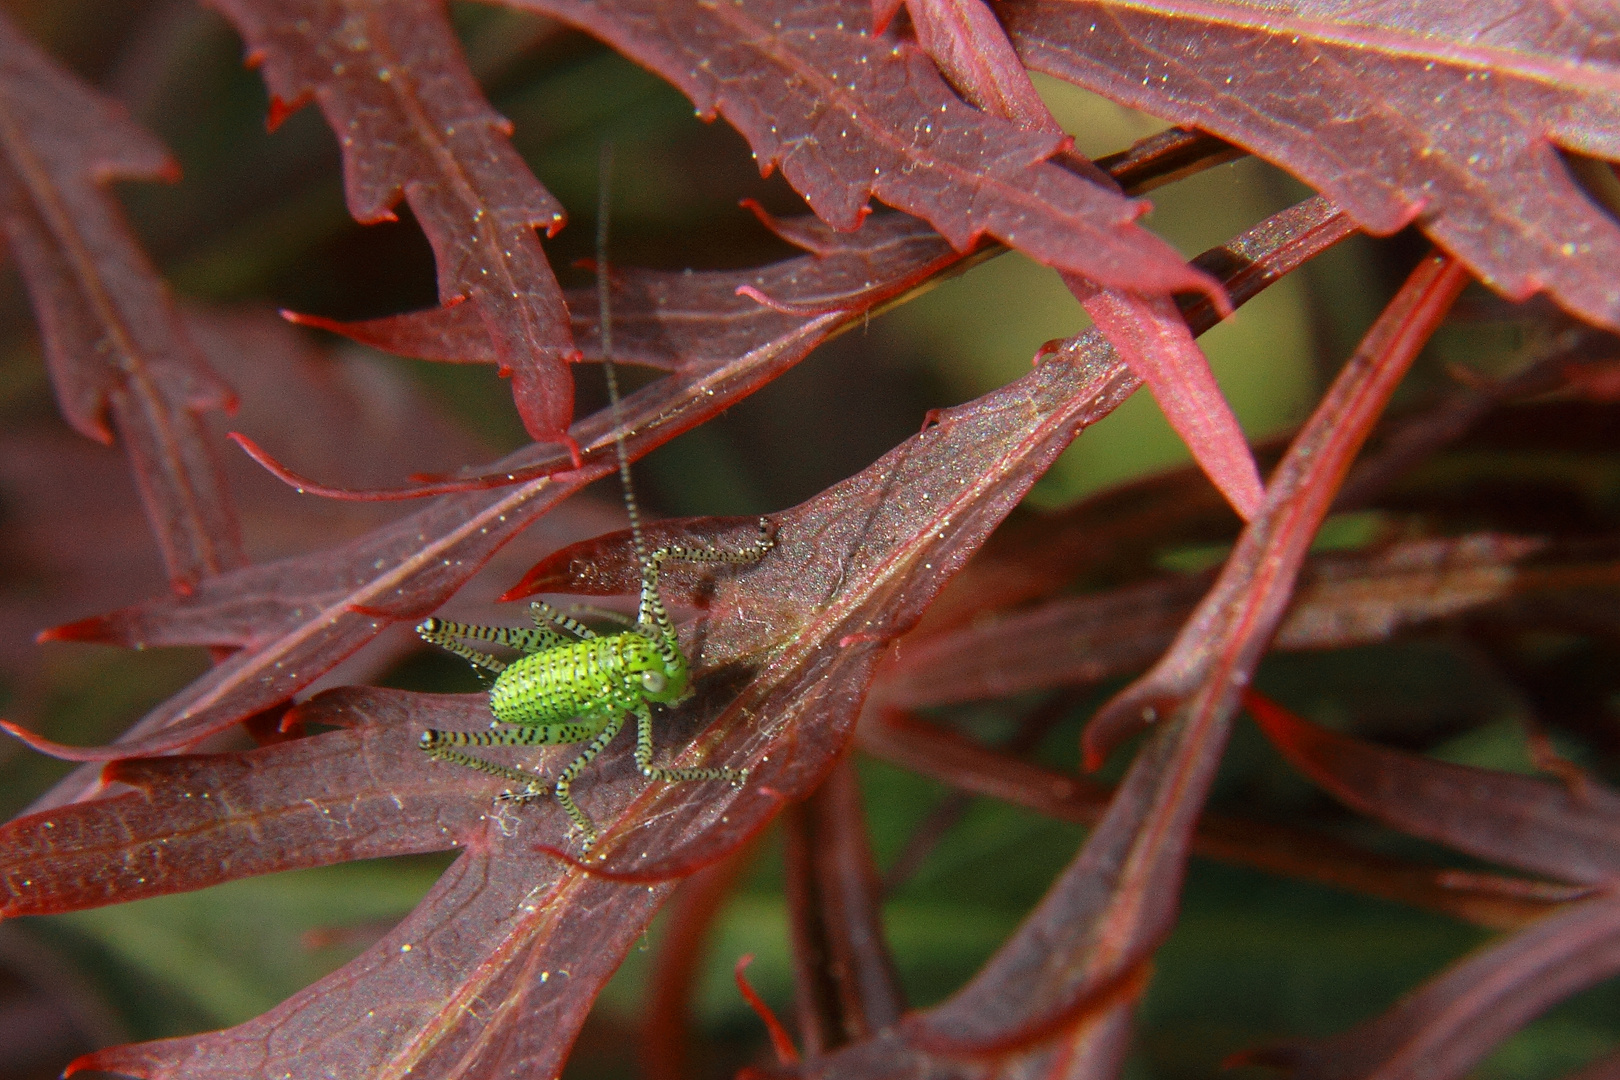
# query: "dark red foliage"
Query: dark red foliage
{"points": [[914, 583], [801, 82], [118, 353], [1379, 137], [414, 125]]}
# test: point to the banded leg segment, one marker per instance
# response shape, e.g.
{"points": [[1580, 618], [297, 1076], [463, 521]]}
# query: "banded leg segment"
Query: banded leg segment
{"points": [[524, 735], [429, 630], [644, 756], [565, 781], [652, 613], [543, 614], [444, 634], [533, 786], [438, 745]]}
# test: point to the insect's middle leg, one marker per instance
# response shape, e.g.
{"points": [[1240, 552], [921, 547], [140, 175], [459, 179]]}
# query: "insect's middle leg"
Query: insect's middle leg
{"points": [[439, 745], [565, 781], [644, 756]]}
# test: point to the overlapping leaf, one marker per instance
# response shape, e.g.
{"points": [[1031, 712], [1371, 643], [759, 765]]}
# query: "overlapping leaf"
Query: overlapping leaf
{"points": [[1450, 1024], [1448, 115], [1342, 601], [1545, 827], [701, 324], [1300, 853], [802, 83], [1101, 920], [413, 124], [293, 619], [968, 44], [852, 569], [116, 348]]}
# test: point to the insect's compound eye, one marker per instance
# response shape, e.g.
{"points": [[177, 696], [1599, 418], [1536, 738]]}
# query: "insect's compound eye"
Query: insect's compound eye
{"points": [[652, 681]]}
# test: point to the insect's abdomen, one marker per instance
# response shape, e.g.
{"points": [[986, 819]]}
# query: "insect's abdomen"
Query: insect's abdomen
{"points": [[582, 678]]}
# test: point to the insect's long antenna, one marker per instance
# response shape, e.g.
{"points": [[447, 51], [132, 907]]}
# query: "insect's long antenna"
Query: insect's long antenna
{"points": [[605, 320]]}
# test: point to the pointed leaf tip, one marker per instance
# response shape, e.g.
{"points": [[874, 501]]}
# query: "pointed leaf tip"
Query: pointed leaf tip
{"points": [[883, 13], [1153, 338]]}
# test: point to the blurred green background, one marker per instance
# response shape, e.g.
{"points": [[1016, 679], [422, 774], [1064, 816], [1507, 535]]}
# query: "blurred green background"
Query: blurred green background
{"points": [[259, 218]]}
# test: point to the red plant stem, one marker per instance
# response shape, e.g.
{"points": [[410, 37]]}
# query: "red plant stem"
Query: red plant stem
{"points": [[815, 997], [666, 1026], [786, 1053], [1226, 635], [848, 988]]}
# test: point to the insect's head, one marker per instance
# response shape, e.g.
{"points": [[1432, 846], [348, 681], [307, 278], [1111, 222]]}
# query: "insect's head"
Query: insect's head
{"points": [[662, 676]]}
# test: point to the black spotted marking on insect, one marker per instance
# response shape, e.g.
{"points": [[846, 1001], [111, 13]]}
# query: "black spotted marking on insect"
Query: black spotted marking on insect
{"points": [[571, 684]]}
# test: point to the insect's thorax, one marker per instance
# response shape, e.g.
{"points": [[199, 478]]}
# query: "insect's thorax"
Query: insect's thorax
{"points": [[603, 675]]}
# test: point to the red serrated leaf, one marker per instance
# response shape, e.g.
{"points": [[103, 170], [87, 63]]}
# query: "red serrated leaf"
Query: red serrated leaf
{"points": [[968, 44], [197, 820], [1537, 825], [414, 125], [848, 115], [1453, 1022], [114, 343], [490, 975], [708, 327], [1363, 102]]}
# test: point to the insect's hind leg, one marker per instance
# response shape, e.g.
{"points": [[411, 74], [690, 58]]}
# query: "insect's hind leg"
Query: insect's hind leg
{"points": [[644, 756]]}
